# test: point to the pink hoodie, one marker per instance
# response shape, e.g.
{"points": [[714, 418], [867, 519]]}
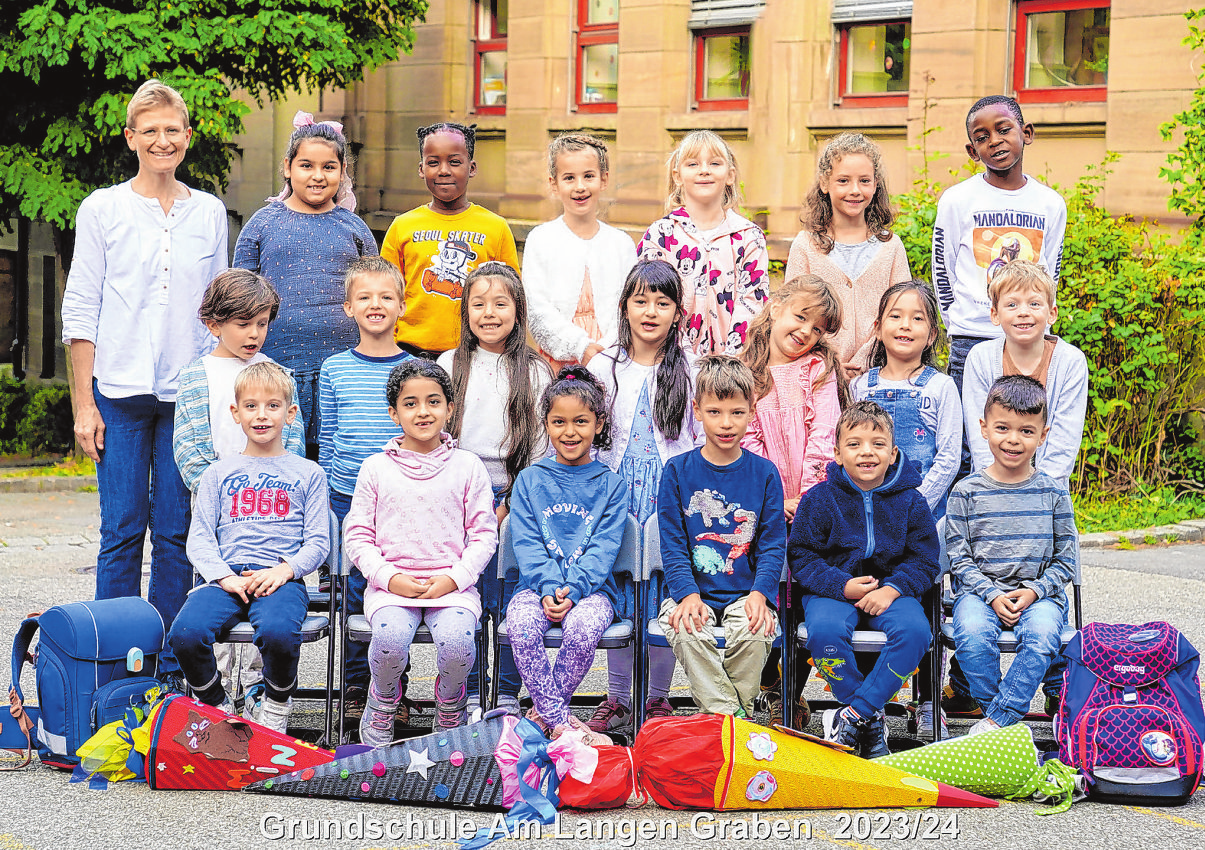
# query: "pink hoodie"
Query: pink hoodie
{"points": [[422, 515]]}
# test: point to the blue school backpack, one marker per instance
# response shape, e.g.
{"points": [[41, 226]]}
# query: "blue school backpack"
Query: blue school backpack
{"points": [[1131, 716], [93, 660]]}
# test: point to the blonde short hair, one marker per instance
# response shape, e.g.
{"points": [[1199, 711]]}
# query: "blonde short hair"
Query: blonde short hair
{"points": [[154, 95], [694, 144], [373, 264], [1021, 274], [724, 376], [269, 376]]}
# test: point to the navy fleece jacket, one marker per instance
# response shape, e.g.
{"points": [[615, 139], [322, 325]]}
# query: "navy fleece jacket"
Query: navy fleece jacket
{"points": [[841, 532], [566, 528]]}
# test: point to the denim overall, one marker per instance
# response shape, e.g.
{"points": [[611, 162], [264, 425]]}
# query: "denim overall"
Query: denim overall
{"points": [[917, 442]]}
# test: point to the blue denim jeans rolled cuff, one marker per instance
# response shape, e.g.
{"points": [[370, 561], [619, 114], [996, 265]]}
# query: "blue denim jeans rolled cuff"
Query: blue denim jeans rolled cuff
{"points": [[140, 487], [208, 616], [831, 624], [1006, 699]]}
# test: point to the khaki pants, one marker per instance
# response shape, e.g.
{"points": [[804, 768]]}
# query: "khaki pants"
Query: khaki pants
{"points": [[721, 683]]}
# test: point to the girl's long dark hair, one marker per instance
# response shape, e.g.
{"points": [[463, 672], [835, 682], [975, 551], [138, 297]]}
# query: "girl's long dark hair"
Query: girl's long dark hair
{"points": [[657, 277], [928, 300], [523, 431]]}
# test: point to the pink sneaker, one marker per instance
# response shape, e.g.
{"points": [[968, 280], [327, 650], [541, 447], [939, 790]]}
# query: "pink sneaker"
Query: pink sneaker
{"points": [[611, 714]]}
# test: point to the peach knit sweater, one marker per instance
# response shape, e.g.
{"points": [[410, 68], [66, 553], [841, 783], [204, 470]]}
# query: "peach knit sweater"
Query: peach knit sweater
{"points": [[859, 298]]}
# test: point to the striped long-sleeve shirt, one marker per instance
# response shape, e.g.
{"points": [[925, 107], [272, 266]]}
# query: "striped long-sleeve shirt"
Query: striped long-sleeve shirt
{"points": [[1002, 537], [354, 414]]}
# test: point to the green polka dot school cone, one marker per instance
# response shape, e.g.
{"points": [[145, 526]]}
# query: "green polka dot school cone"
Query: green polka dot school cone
{"points": [[1000, 763]]}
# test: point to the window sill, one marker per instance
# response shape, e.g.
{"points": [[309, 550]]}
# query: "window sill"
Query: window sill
{"points": [[870, 119]]}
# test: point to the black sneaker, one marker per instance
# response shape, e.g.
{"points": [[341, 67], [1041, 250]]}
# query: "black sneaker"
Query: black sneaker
{"points": [[841, 731], [1051, 704], [873, 741], [962, 704], [354, 699], [172, 683]]}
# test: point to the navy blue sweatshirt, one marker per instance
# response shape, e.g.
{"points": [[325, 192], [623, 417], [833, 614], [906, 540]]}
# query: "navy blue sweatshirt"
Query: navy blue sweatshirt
{"points": [[567, 527], [723, 531], [842, 531]]}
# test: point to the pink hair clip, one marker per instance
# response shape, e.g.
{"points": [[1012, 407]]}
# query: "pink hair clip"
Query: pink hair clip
{"points": [[305, 119], [571, 377]]}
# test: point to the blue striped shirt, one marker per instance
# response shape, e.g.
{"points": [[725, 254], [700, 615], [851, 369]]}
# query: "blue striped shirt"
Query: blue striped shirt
{"points": [[1003, 537], [354, 418]]}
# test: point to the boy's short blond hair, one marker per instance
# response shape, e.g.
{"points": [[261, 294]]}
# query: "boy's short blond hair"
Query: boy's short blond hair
{"points": [[153, 95], [725, 376], [1021, 274], [268, 375], [866, 412], [373, 265]]}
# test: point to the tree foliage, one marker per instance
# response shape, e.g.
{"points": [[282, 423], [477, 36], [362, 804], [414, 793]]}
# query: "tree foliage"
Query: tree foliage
{"points": [[1186, 165], [68, 68]]}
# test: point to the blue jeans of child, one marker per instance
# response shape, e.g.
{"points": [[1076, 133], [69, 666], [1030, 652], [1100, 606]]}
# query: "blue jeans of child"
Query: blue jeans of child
{"points": [[976, 628], [140, 486], [357, 653], [831, 624], [209, 614]]}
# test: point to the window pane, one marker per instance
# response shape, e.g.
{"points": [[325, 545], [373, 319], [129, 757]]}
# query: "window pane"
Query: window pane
{"points": [[879, 58], [600, 73], [1067, 48], [491, 18], [726, 67], [493, 79], [602, 11]]}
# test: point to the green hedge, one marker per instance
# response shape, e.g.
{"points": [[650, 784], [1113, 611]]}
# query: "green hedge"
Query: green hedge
{"points": [[35, 418], [1132, 298]]}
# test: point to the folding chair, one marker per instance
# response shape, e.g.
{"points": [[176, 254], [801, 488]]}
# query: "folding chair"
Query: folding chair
{"points": [[651, 590], [1008, 643], [315, 627], [864, 641], [356, 627], [619, 634]]}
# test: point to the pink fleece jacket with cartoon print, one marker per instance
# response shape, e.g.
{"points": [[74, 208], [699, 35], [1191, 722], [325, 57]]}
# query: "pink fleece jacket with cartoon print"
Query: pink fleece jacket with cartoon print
{"points": [[422, 515], [725, 277]]}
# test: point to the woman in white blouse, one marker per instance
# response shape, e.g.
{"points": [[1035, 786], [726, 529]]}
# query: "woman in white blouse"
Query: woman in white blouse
{"points": [[145, 251]]}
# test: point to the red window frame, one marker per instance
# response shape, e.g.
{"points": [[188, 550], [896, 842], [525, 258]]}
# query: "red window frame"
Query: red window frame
{"points": [[884, 99], [589, 35], [1050, 94], [701, 101], [493, 43]]}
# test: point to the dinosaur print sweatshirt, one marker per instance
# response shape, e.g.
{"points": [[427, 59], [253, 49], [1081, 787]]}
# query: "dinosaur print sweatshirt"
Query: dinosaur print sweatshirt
{"points": [[723, 531]]}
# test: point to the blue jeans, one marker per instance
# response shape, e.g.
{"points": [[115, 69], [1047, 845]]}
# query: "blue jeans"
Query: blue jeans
{"points": [[1039, 632], [209, 614], [140, 486], [357, 653], [831, 624], [509, 682]]}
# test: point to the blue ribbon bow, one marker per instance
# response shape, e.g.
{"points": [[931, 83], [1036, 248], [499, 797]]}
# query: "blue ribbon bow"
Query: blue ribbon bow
{"points": [[535, 804]]}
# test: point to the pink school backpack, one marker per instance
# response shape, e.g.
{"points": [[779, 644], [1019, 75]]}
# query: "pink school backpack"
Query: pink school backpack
{"points": [[1131, 716]]}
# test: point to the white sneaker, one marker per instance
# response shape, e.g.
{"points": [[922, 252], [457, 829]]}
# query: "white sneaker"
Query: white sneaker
{"points": [[984, 725], [510, 704], [253, 700], [924, 722], [275, 715]]}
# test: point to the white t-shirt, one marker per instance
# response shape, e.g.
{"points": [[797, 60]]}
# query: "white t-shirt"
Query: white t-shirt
{"points": [[220, 372], [483, 429]]}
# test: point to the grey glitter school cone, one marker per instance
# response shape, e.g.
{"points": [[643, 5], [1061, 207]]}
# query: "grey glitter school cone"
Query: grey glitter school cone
{"points": [[451, 768]]}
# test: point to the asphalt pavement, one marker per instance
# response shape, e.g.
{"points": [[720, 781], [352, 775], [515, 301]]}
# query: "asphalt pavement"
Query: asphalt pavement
{"points": [[48, 545]]}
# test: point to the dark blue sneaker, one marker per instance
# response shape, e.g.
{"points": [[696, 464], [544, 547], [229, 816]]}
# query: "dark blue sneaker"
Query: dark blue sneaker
{"points": [[839, 729], [172, 683], [874, 736]]}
